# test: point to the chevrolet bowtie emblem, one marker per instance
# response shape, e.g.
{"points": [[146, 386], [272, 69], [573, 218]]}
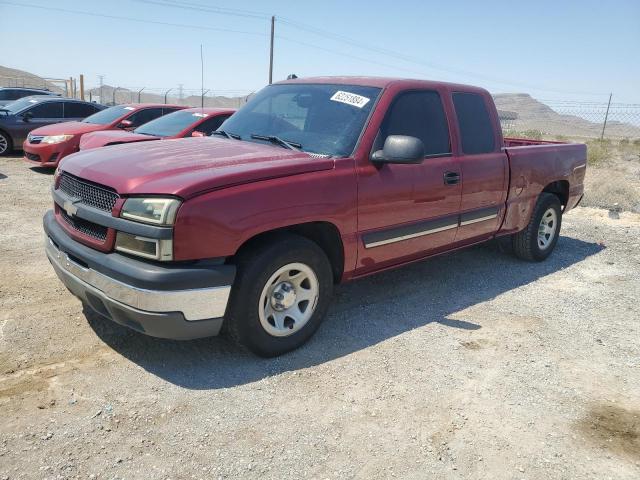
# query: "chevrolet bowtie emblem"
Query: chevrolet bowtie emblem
{"points": [[70, 208]]}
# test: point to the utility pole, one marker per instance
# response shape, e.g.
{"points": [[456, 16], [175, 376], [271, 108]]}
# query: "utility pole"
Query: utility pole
{"points": [[201, 78], [273, 26], [101, 80], [180, 92], [81, 87], [606, 116]]}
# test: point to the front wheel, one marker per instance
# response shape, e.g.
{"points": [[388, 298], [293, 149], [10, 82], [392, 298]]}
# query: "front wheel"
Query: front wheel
{"points": [[539, 238], [5, 143], [280, 296]]}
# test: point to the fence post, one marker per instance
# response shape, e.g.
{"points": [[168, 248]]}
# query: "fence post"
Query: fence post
{"points": [[606, 115], [114, 94], [139, 92], [165, 95], [202, 98], [81, 87]]}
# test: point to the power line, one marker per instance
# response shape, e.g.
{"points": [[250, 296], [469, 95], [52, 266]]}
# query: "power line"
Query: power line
{"points": [[131, 19], [206, 8], [355, 43], [301, 26]]}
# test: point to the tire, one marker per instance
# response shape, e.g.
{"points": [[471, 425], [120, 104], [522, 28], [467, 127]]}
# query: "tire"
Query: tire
{"points": [[255, 318], [537, 241], [6, 146]]}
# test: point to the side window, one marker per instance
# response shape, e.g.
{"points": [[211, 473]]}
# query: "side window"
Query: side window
{"points": [[47, 110], [9, 94], [78, 110], [418, 114], [169, 110], [474, 123], [211, 124], [144, 116]]}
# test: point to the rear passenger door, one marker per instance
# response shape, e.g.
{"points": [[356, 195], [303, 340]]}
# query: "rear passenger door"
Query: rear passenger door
{"points": [[406, 211], [484, 167], [75, 111]]}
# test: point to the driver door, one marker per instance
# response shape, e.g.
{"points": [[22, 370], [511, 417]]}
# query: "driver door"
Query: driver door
{"points": [[408, 210]]}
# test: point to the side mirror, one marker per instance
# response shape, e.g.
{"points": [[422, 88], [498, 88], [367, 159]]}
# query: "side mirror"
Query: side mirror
{"points": [[400, 149], [125, 124], [196, 133], [27, 116]]}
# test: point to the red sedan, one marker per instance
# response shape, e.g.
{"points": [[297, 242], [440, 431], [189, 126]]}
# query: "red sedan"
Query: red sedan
{"points": [[194, 122], [46, 146]]}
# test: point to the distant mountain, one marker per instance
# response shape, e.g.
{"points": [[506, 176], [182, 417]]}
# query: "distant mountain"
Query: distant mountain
{"points": [[124, 95], [531, 114], [11, 77]]}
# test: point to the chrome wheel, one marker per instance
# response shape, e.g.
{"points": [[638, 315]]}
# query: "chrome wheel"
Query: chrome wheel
{"points": [[288, 299], [548, 228], [4, 144]]}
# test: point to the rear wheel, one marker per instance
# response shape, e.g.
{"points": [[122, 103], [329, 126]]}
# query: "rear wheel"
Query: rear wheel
{"points": [[5, 144], [537, 241], [280, 296]]}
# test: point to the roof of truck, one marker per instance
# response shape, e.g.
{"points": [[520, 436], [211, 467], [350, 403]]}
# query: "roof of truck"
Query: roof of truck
{"points": [[381, 82]]}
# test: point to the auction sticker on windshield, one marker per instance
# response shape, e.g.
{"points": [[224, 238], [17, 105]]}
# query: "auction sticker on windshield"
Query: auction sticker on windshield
{"points": [[350, 99]]}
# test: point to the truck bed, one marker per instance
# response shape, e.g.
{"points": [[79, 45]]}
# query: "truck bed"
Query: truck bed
{"points": [[535, 165]]}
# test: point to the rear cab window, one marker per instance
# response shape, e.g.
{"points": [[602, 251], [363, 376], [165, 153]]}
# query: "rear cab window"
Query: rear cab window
{"points": [[474, 123], [418, 114]]}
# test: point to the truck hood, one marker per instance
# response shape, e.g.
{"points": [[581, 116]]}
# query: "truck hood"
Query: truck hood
{"points": [[188, 166], [68, 128], [100, 139]]}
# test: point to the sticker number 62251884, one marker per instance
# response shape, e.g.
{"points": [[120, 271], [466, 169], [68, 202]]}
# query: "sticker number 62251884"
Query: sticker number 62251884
{"points": [[350, 99]]}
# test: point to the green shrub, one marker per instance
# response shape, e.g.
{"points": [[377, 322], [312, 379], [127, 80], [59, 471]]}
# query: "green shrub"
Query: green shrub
{"points": [[598, 151], [530, 134]]}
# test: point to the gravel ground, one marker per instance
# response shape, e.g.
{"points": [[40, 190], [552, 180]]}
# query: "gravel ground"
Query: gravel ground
{"points": [[470, 365]]}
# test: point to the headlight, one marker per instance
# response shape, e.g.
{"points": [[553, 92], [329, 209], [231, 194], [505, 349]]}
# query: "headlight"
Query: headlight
{"points": [[159, 211], [56, 138], [144, 247]]}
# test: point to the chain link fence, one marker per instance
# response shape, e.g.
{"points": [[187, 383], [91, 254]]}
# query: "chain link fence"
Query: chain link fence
{"points": [[520, 114], [553, 119]]}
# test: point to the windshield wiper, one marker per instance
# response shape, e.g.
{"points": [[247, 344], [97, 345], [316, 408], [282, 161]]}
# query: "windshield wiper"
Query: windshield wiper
{"points": [[234, 136], [278, 141]]}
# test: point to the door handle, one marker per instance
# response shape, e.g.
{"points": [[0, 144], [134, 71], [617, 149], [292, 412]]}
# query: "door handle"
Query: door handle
{"points": [[451, 178]]}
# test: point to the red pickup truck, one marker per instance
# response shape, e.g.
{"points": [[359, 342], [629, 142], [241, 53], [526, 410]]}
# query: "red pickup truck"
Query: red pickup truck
{"points": [[313, 182]]}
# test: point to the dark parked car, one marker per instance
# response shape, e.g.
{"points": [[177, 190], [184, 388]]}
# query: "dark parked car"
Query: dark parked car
{"points": [[18, 118], [9, 95]]}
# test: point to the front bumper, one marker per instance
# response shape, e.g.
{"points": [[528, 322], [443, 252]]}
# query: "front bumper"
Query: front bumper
{"points": [[47, 155], [171, 301]]}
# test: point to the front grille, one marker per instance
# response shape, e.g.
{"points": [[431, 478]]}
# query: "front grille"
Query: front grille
{"points": [[90, 229], [89, 193], [32, 156], [54, 157]]}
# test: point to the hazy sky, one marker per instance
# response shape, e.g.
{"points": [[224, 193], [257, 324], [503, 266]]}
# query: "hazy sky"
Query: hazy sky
{"points": [[573, 50]]}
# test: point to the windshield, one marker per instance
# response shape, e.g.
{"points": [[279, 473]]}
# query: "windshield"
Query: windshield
{"points": [[18, 105], [171, 124], [321, 118], [108, 115]]}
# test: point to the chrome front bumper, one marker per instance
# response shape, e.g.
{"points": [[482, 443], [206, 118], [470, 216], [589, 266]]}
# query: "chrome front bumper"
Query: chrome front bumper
{"points": [[194, 304]]}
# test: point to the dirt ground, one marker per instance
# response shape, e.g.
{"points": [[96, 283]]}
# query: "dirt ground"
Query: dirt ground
{"points": [[472, 365]]}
